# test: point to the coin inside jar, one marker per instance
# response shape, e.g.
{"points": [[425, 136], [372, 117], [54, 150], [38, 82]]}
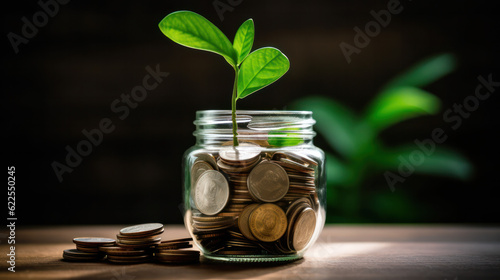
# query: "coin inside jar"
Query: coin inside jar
{"points": [[268, 222], [243, 152], [268, 182], [198, 168], [303, 229], [244, 219], [207, 157], [211, 192]]}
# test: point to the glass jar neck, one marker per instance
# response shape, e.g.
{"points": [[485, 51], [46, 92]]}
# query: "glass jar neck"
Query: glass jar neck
{"points": [[273, 128]]}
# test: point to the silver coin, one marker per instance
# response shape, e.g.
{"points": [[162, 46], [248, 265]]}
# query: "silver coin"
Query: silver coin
{"points": [[268, 182], [207, 158], [211, 192], [142, 229], [93, 241], [197, 169], [242, 152]]}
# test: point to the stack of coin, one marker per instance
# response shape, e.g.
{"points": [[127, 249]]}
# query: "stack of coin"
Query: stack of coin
{"points": [[301, 225], [136, 244], [140, 236], [209, 230], [126, 255], [237, 244], [262, 185], [80, 256], [236, 163], [87, 249], [174, 251]]}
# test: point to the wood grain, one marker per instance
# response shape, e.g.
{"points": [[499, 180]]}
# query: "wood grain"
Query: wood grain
{"points": [[341, 252]]}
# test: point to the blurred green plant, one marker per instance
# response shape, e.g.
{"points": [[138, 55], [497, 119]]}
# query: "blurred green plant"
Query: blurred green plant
{"points": [[360, 152]]}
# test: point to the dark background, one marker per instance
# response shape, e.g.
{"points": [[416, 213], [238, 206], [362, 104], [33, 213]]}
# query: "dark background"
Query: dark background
{"points": [[66, 77]]}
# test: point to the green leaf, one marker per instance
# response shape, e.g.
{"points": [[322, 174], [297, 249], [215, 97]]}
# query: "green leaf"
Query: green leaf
{"points": [[436, 160], [334, 121], [243, 40], [261, 68], [398, 104], [282, 137], [425, 72], [194, 31]]}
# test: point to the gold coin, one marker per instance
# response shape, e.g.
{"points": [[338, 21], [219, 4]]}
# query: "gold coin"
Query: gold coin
{"points": [[268, 182], [268, 222], [303, 229], [243, 221]]}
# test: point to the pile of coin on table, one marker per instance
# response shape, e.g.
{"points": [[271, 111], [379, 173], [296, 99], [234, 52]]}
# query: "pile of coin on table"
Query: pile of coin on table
{"points": [[134, 244], [246, 201]]}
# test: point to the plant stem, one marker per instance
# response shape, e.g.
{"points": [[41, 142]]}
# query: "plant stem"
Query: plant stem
{"points": [[233, 107]]}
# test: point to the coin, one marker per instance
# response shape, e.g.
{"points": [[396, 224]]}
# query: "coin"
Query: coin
{"points": [[244, 219], [138, 237], [77, 255], [211, 192], [139, 241], [268, 222], [187, 239], [198, 168], [299, 158], [207, 157], [93, 241], [142, 229], [121, 251], [87, 249], [231, 169], [242, 152], [303, 228], [268, 182], [174, 246], [128, 259]]}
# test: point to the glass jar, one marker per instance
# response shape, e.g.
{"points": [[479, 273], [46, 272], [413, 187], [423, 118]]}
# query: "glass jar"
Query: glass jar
{"points": [[261, 201]]}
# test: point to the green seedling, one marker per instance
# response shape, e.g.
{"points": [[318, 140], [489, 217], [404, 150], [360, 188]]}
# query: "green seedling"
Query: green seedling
{"points": [[253, 70]]}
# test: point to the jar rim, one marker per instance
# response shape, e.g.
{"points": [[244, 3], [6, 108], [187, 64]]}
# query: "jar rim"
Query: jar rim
{"points": [[257, 112]]}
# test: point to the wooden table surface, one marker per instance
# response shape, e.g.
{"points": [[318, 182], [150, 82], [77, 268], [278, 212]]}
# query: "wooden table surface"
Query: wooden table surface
{"points": [[342, 252]]}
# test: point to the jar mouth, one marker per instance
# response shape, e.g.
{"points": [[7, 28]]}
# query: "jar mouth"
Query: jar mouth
{"points": [[216, 125]]}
